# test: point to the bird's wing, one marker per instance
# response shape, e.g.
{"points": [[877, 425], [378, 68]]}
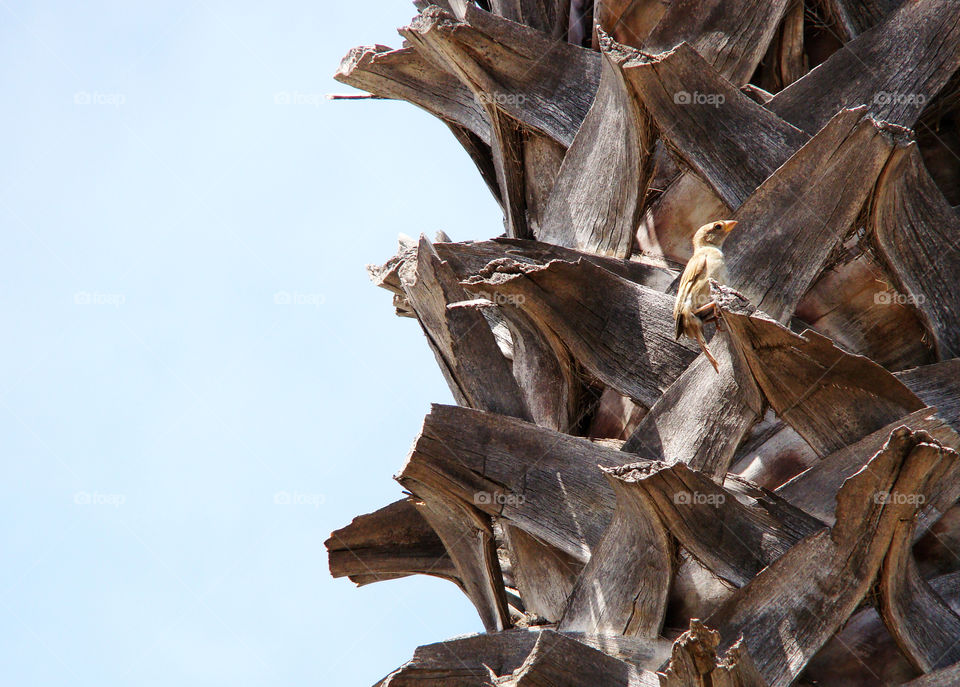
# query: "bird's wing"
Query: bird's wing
{"points": [[695, 269]]}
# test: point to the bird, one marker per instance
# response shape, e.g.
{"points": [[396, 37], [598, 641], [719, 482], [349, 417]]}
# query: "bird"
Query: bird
{"points": [[693, 294]]}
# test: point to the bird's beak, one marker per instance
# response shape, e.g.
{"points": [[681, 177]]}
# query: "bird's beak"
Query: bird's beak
{"points": [[729, 225]]}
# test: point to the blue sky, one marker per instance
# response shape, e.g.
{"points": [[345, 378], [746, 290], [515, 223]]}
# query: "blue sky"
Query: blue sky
{"points": [[154, 395]]}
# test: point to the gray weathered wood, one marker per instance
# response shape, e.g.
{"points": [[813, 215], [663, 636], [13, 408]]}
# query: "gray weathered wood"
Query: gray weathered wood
{"points": [[557, 659], [694, 662], [549, 16], [731, 538], [704, 415], [716, 30], [547, 85], [404, 74], [474, 367], [830, 397], [598, 211], [845, 303], [786, 60], [621, 332], [947, 677], [469, 258], [773, 453], [505, 66], [924, 626], [546, 372], [918, 234], [467, 535], [789, 226], [392, 542], [894, 68], [625, 586], [627, 21], [543, 482], [853, 17], [477, 659], [814, 490], [733, 143], [544, 574], [790, 610], [863, 654], [937, 385]]}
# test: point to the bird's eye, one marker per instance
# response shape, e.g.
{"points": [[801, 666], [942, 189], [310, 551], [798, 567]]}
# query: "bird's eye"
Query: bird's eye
{"points": [[718, 226]]}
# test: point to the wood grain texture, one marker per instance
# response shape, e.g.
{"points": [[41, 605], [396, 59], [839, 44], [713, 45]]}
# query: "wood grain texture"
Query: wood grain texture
{"points": [[405, 74], [479, 659], [734, 530], [467, 661], [694, 662], [947, 677], [546, 372], [853, 17], [476, 371], [534, 90], [619, 331], [392, 542], [702, 417], [730, 141], [716, 30], [789, 226], [598, 211], [469, 258], [545, 84], [544, 574], [790, 610], [625, 586], [937, 385], [830, 397], [918, 234], [894, 68], [549, 16], [467, 535], [923, 625], [557, 659], [846, 304], [786, 59], [863, 653], [627, 21], [543, 482], [815, 489]]}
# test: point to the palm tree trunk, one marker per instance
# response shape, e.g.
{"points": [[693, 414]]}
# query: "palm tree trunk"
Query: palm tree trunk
{"points": [[619, 512]]}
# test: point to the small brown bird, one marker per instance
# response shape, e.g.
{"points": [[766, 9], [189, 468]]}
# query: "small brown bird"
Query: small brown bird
{"points": [[693, 295]]}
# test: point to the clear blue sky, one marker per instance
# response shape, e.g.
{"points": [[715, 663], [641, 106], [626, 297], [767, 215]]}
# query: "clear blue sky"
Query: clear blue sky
{"points": [[154, 396]]}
